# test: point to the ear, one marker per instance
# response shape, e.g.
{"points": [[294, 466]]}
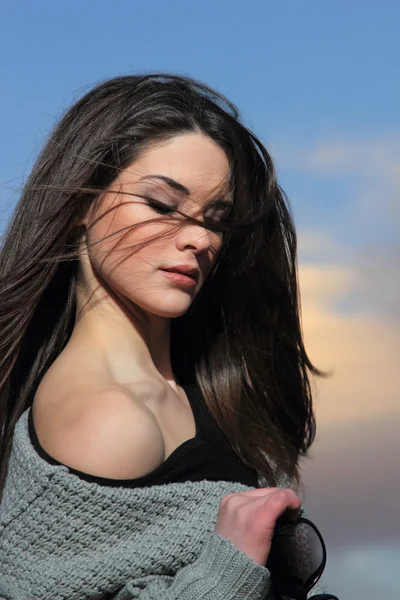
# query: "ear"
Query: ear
{"points": [[80, 226], [82, 218]]}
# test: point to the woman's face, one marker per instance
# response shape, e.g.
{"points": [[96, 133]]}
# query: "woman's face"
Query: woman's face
{"points": [[188, 172]]}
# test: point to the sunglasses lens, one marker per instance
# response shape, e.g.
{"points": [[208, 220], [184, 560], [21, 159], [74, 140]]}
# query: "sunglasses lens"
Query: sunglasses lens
{"points": [[296, 554]]}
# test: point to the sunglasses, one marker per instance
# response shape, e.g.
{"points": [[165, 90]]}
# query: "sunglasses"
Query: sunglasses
{"points": [[297, 559]]}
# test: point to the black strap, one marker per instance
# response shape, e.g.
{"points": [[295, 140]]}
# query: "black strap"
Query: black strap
{"points": [[324, 597]]}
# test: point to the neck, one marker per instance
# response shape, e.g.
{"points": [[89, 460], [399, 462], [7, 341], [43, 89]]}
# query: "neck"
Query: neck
{"points": [[132, 342]]}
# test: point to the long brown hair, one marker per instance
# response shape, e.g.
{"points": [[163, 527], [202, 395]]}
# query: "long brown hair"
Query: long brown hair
{"points": [[248, 357]]}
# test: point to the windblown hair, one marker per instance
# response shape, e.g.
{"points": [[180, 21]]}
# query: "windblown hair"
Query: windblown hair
{"points": [[241, 339]]}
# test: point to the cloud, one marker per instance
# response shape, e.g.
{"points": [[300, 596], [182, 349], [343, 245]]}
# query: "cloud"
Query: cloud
{"points": [[351, 481], [377, 280], [371, 168], [367, 156], [352, 487], [370, 273], [350, 290], [368, 168], [362, 349], [373, 156]]}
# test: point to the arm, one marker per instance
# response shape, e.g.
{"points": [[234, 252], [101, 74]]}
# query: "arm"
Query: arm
{"points": [[221, 571]]}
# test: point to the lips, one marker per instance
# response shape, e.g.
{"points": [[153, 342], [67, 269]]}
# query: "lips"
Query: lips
{"points": [[187, 270]]}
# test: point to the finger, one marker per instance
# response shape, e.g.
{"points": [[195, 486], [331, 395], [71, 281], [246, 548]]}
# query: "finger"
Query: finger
{"points": [[283, 503], [260, 492]]}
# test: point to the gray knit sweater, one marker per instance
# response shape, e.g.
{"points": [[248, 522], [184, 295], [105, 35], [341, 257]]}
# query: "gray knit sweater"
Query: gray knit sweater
{"points": [[62, 537]]}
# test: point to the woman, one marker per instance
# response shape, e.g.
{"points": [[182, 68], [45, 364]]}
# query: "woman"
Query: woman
{"points": [[154, 395]]}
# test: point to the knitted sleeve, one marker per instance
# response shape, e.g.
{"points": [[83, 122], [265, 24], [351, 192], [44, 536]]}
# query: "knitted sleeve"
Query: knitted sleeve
{"points": [[220, 571], [62, 538]]}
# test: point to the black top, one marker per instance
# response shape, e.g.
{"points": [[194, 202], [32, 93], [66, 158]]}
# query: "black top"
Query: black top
{"points": [[206, 456]]}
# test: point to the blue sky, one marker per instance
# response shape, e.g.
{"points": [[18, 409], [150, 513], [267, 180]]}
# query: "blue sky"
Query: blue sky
{"points": [[318, 82], [298, 70]]}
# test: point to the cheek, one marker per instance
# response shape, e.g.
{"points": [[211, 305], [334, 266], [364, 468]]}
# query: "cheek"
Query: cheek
{"points": [[120, 249]]}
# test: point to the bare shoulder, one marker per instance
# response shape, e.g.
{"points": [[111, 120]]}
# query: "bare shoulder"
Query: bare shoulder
{"points": [[107, 433]]}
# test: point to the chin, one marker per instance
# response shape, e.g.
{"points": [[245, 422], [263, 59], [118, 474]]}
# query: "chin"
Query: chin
{"points": [[171, 309], [170, 314]]}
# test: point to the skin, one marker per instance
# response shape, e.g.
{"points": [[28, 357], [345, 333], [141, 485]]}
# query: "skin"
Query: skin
{"points": [[123, 413], [127, 320], [123, 399]]}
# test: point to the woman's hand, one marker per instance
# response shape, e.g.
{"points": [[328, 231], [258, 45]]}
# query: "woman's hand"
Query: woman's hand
{"points": [[248, 518]]}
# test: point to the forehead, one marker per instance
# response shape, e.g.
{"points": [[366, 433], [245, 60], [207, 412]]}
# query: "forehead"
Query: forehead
{"points": [[193, 159]]}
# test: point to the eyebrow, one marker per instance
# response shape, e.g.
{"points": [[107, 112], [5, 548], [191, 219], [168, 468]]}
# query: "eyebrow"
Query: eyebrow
{"points": [[175, 185]]}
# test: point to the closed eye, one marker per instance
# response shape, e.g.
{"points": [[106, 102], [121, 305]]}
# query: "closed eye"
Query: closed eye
{"points": [[159, 207], [219, 212]]}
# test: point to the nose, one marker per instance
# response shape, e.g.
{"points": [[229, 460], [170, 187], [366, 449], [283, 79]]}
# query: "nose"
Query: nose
{"points": [[193, 236]]}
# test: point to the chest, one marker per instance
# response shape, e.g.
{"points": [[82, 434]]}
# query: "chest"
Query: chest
{"points": [[172, 422]]}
